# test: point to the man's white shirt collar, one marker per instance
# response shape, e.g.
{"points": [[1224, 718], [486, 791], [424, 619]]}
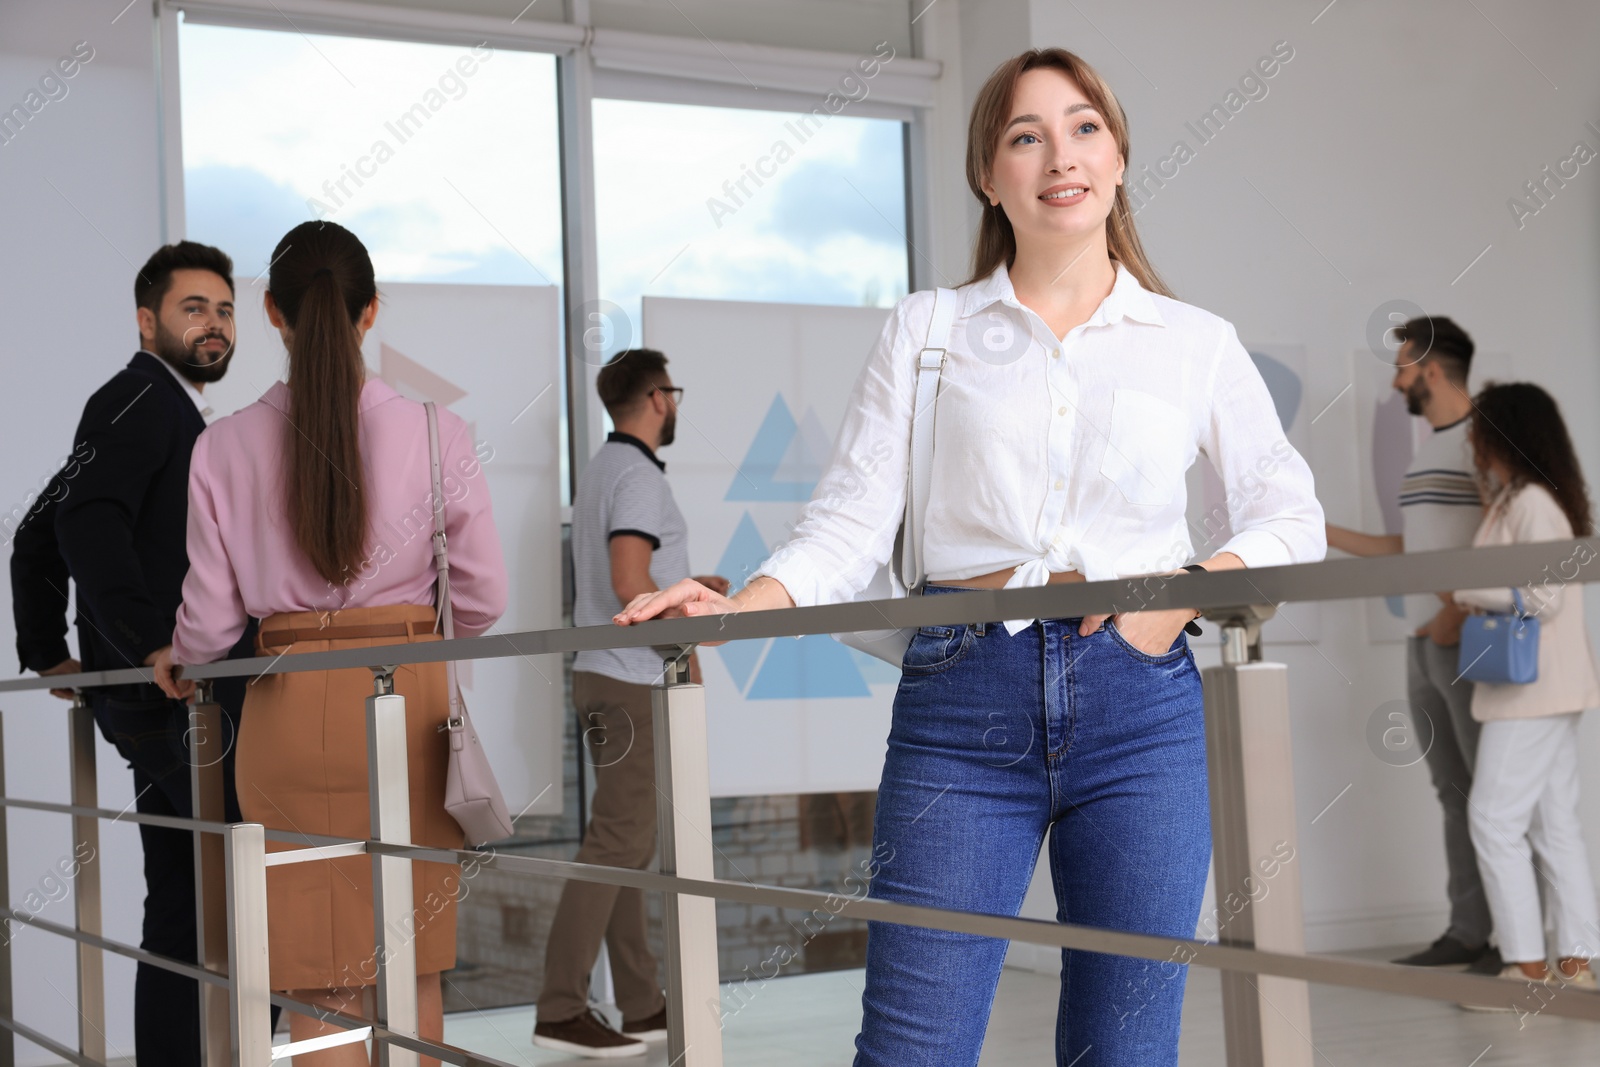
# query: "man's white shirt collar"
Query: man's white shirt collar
{"points": [[194, 394]]}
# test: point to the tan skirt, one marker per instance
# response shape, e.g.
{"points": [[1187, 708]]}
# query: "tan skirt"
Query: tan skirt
{"points": [[302, 767]]}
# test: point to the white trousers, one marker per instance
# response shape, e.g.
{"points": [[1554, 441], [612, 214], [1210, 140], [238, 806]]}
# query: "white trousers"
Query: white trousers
{"points": [[1525, 800]]}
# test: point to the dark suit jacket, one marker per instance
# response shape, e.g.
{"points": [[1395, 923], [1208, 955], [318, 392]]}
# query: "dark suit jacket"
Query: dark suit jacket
{"points": [[115, 518]]}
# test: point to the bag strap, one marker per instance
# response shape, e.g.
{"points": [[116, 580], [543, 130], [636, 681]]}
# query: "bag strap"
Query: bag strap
{"points": [[1516, 601], [919, 476], [444, 620]]}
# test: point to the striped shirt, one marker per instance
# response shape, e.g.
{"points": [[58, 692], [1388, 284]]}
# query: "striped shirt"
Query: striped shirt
{"points": [[623, 490], [1439, 504]]}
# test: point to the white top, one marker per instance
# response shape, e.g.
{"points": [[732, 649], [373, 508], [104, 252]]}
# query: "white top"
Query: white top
{"points": [[1055, 454], [623, 490], [1439, 504], [189, 387], [1567, 680]]}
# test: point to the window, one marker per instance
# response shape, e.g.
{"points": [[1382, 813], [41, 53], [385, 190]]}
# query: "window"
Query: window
{"points": [[444, 160], [733, 204]]}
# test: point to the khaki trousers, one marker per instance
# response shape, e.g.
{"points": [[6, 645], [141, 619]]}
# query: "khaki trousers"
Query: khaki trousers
{"points": [[617, 723]]}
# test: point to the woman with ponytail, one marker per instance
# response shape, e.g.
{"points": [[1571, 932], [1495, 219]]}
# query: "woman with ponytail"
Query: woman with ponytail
{"points": [[1074, 392], [311, 510]]}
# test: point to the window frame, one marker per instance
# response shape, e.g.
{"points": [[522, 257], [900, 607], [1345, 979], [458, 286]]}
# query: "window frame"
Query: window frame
{"points": [[590, 63]]}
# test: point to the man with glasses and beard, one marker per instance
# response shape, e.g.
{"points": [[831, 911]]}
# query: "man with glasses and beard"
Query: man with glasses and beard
{"points": [[114, 521], [1440, 508], [628, 538]]}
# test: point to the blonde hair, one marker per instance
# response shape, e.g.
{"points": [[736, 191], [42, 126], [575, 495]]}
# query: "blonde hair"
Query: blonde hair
{"points": [[997, 242]]}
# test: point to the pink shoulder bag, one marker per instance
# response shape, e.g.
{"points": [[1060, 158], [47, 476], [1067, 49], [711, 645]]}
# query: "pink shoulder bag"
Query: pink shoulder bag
{"points": [[471, 794]]}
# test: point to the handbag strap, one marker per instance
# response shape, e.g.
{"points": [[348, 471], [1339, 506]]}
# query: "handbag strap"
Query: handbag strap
{"points": [[445, 620], [1516, 601], [919, 476]]}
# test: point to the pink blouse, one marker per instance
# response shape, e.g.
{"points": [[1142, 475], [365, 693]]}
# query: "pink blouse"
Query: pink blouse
{"points": [[243, 561]]}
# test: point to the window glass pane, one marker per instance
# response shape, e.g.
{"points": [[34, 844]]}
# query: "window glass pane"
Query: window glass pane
{"points": [[734, 204], [443, 159]]}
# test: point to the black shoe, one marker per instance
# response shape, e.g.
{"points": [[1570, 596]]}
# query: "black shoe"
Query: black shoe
{"points": [[1489, 963], [588, 1035], [651, 1028], [1445, 952]]}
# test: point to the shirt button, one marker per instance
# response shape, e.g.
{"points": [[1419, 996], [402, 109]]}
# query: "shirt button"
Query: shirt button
{"points": [[1056, 354], [1061, 410], [1060, 484]]}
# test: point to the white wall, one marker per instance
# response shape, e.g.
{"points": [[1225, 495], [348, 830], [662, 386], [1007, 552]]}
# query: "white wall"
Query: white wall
{"points": [[80, 209], [1381, 161]]}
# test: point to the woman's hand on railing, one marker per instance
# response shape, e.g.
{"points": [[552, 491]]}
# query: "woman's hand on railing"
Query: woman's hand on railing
{"points": [[686, 599], [167, 675]]}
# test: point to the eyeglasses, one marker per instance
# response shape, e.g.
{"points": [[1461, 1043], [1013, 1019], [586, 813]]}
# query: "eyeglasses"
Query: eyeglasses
{"points": [[673, 391]]}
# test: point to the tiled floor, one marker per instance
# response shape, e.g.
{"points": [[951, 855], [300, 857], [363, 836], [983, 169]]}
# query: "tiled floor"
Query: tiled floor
{"points": [[810, 1021]]}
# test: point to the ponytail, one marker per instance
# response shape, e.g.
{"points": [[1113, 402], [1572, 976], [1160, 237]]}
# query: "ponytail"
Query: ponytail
{"points": [[322, 282]]}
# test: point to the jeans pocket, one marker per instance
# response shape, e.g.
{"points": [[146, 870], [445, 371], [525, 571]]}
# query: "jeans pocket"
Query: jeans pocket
{"points": [[935, 649], [1179, 649]]}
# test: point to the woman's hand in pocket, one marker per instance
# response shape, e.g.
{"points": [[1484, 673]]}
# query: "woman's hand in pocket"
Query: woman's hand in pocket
{"points": [[1151, 632]]}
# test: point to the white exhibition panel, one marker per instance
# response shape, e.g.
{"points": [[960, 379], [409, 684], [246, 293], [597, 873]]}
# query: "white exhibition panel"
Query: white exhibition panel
{"points": [[492, 355], [767, 386]]}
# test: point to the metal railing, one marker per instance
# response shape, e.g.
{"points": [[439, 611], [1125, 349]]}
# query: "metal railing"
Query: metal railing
{"points": [[1248, 750]]}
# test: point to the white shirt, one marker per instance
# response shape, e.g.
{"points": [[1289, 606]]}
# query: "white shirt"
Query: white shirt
{"points": [[189, 387], [1055, 454]]}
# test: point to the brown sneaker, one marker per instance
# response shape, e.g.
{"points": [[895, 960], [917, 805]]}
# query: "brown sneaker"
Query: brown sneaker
{"points": [[650, 1028], [588, 1035]]}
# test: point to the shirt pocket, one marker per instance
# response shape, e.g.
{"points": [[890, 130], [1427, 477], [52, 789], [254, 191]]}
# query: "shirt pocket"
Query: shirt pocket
{"points": [[1146, 447]]}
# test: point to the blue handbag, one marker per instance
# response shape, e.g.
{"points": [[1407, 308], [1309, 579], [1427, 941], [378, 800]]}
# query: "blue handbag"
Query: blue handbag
{"points": [[1500, 646]]}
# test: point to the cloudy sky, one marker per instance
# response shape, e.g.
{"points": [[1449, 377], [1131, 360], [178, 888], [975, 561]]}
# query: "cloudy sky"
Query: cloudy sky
{"points": [[273, 120]]}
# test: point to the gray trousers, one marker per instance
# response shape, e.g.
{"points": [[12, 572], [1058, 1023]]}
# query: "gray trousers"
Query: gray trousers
{"points": [[1442, 708], [616, 720]]}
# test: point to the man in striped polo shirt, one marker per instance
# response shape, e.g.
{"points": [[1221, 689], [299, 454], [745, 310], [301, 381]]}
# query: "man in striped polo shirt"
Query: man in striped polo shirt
{"points": [[1440, 508], [628, 537]]}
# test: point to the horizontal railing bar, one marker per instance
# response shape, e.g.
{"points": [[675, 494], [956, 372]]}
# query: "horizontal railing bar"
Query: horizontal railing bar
{"points": [[448, 1053], [316, 852], [1356, 974], [155, 959], [49, 1044], [317, 1044], [1339, 579], [174, 822]]}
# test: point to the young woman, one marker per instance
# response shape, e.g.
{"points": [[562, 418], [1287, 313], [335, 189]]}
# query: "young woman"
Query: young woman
{"points": [[311, 510], [1528, 750], [1074, 395]]}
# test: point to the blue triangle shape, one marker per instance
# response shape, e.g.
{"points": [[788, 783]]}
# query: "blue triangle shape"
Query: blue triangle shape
{"points": [[812, 666], [757, 477]]}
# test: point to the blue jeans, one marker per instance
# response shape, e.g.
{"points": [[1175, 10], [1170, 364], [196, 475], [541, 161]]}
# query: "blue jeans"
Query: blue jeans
{"points": [[996, 740]]}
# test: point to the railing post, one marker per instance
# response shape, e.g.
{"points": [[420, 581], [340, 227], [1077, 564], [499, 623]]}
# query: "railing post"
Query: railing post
{"points": [[249, 996], [207, 742], [85, 791], [683, 801], [1266, 1019], [393, 918], [8, 1040]]}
